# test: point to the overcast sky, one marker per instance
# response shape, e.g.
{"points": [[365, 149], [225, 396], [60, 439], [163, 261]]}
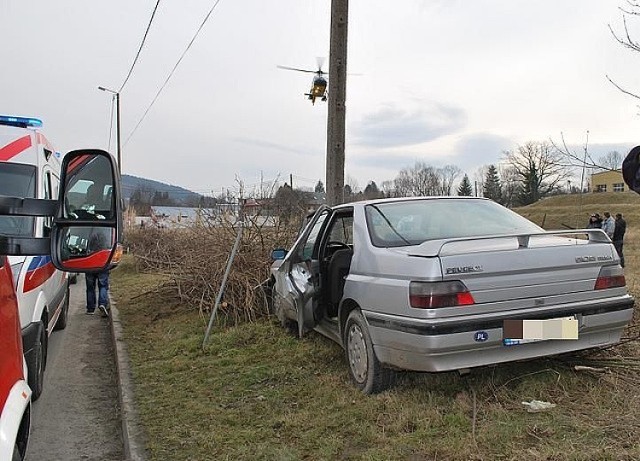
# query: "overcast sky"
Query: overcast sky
{"points": [[442, 81]]}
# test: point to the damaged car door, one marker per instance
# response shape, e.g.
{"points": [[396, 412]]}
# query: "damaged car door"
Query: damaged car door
{"points": [[299, 276]]}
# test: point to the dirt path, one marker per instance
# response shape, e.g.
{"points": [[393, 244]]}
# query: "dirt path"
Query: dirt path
{"points": [[77, 417]]}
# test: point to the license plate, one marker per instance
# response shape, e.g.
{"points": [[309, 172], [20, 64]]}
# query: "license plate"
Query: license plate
{"points": [[516, 332]]}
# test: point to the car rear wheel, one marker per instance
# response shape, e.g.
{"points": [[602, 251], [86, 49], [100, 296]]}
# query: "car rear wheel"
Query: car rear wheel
{"points": [[366, 371]]}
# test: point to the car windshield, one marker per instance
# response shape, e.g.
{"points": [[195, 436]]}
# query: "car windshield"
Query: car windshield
{"points": [[17, 180], [413, 222]]}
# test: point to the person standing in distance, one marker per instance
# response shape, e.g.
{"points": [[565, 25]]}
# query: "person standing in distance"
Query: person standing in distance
{"points": [[618, 235], [594, 222], [608, 225]]}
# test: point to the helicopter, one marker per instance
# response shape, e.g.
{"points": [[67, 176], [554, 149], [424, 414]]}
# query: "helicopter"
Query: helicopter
{"points": [[318, 84]]}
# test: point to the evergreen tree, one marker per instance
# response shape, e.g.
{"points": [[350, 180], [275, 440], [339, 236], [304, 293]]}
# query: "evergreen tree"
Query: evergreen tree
{"points": [[530, 192], [348, 192], [465, 188], [492, 188], [319, 187], [372, 191]]}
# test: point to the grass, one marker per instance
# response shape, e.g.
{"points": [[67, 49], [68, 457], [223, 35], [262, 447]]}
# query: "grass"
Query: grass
{"points": [[257, 393]]}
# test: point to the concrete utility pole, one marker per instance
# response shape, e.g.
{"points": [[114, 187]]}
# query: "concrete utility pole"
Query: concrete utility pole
{"points": [[119, 147], [337, 96]]}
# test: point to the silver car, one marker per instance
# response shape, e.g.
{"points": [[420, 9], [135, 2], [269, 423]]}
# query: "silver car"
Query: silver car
{"points": [[447, 283]]}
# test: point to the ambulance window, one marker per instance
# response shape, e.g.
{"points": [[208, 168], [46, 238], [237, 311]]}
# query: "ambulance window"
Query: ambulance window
{"points": [[48, 194], [17, 180]]}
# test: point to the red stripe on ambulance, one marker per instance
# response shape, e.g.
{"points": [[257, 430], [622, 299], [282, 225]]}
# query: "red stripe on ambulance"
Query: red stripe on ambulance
{"points": [[37, 277], [14, 148]]}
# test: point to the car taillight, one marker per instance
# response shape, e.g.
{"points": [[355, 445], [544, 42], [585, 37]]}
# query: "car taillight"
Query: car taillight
{"points": [[433, 295], [610, 277]]}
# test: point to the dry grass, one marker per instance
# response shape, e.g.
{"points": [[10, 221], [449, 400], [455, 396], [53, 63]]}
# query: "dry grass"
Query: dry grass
{"points": [[256, 393]]}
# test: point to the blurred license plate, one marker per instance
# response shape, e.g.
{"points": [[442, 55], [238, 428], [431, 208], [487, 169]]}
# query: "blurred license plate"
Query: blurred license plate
{"points": [[516, 332]]}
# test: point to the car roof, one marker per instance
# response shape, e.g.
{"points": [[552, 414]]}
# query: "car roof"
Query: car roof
{"points": [[363, 203]]}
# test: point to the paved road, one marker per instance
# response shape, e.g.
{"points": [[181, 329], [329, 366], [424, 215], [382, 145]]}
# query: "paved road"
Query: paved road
{"points": [[77, 417]]}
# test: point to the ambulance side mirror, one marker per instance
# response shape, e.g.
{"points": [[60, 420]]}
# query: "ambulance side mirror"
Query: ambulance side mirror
{"points": [[87, 226]]}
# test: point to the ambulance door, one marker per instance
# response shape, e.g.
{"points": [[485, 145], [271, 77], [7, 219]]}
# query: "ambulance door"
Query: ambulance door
{"points": [[54, 288]]}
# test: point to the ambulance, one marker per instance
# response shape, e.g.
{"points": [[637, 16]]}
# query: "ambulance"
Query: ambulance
{"points": [[30, 168]]}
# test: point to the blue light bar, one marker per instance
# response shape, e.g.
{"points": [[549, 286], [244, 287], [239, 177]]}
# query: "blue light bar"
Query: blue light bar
{"points": [[22, 122]]}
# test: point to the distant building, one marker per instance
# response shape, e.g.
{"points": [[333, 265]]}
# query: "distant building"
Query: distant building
{"points": [[608, 181], [173, 217], [180, 217]]}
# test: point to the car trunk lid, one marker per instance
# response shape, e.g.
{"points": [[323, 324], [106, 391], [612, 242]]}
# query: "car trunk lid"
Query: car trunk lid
{"points": [[519, 271]]}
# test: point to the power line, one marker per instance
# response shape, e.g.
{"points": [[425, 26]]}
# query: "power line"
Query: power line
{"points": [[140, 49], [173, 70]]}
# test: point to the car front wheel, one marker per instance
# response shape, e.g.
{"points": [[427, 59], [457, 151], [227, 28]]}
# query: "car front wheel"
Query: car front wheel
{"points": [[16, 454], [366, 371], [37, 363], [61, 324]]}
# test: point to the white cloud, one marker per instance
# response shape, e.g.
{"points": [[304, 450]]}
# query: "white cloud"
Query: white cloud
{"points": [[394, 126]]}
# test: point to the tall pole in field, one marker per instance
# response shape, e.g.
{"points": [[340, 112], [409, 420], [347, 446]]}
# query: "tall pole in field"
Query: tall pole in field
{"points": [[337, 95]]}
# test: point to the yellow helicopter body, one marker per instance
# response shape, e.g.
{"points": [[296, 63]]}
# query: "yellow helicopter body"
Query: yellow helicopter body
{"points": [[318, 90], [318, 85]]}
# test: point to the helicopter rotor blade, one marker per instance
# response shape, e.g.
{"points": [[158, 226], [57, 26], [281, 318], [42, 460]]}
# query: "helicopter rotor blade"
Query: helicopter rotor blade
{"points": [[320, 62], [299, 70]]}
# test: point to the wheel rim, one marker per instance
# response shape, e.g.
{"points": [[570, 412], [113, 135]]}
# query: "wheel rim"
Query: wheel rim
{"points": [[357, 350]]}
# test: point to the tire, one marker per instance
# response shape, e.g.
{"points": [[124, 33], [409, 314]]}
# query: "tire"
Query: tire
{"points": [[16, 454], [37, 364], [365, 370], [61, 324]]}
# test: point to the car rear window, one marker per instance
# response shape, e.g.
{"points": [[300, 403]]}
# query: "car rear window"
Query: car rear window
{"points": [[412, 222], [17, 180]]}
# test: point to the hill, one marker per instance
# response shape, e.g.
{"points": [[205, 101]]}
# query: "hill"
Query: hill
{"points": [[573, 210], [149, 186]]}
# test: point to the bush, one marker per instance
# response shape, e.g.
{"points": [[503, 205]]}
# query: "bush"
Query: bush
{"points": [[194, 261]]}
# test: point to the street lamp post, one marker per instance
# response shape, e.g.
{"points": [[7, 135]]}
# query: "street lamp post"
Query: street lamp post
{"points": [[117, 95]]}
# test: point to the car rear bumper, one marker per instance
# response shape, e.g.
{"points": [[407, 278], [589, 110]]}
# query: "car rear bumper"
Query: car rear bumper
{"points": [[425, 345]]}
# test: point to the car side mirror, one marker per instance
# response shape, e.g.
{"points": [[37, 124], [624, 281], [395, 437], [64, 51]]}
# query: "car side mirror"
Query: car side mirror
{"points": [[87, 226]]}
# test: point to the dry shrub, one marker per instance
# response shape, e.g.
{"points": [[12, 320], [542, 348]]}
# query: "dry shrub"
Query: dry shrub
{"points": [[194, 259]]}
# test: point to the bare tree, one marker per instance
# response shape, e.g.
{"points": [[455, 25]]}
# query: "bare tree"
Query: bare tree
{"points": [[478, 180], [448, 175], [388, 188], [510, 184], [352, 183], [611, 161], [421, 179], [631, 9], [540, 168]]}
